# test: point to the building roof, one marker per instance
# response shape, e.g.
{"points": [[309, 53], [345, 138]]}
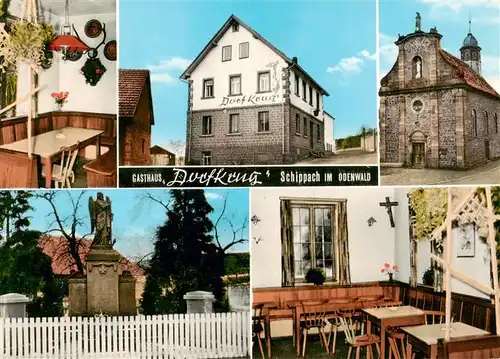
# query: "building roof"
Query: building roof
{"points": [[328, 114], [470, 77], [470, 41], [132, 83], [62, 262], [213, 42], [157, 150]]}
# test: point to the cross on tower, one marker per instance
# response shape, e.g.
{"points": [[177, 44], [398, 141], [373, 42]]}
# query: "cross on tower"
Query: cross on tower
{"points": [[388, 206]]}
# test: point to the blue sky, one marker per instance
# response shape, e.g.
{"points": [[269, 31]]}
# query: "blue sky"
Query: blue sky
{"points": [[334, 41], [135, 221], [451, 17]]}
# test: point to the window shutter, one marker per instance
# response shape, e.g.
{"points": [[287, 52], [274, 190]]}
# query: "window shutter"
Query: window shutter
{"points": [[287, 271]]}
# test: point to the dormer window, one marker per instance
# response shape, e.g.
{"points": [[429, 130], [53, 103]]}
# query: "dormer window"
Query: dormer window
{"points": [[236, 27], [417, 67]]}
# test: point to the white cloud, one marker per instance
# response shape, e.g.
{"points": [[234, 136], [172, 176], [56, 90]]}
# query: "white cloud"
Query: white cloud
{"points": [[167, 71], [366, 54], [213, 196], [388, 53], [162, 77], [352, 65], [445, 9]]}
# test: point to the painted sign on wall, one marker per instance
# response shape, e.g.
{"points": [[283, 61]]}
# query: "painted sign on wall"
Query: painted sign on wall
{"points": [[252, 99]]}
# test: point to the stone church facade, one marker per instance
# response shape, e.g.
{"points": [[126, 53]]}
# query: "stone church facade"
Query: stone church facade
{"points": [[251, 104], [437, 111]]}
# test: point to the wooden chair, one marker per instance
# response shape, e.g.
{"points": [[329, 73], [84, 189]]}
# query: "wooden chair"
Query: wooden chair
{"points": [[334, 320], [359, 341], [258, 327], [63, 173], [17, 170], [435, 317], [313, 316]]}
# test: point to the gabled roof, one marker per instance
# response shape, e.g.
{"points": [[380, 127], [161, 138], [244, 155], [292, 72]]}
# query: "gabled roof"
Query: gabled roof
{"points": [[62, 263], [227, 25], [157, 150], [470, 77], [132, 84]]}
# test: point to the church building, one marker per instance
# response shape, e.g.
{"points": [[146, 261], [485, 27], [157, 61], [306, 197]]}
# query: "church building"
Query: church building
{"points": [[249, 103], [437, 111]]}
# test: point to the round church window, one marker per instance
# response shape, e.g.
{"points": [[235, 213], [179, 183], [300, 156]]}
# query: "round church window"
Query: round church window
{"points": [[417, 106]]}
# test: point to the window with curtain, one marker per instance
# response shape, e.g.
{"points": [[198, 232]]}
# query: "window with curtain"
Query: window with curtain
{"points": [[314, 235]]}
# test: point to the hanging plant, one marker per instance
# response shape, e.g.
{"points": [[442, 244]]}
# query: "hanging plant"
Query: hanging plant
{"points": [[429, 207], [25, 42], [93, 70], [4, 9]]}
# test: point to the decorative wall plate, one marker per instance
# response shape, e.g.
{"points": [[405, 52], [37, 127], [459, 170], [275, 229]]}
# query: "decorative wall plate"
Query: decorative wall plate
{"points": [[93, 28], [110, 50]]}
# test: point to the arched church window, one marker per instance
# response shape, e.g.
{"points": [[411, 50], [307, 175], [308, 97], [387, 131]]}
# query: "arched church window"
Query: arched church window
{"points": [[417, 67], [474, 123], [496, 123]]}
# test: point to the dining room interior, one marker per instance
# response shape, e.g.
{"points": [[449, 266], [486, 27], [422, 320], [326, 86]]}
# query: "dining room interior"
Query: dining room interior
{"points": [[376, 272], [58, 87]]}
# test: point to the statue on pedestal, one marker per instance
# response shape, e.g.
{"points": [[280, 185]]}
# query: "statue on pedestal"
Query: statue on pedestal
{"points": [[100, 220], [418, 23]]}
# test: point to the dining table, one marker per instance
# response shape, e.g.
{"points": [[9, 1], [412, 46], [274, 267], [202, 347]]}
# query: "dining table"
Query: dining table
{"points": [[392, 316], [425, 337], [49, 145]]}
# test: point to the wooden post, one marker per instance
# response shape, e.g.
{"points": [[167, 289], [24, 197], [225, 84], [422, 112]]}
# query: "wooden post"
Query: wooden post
{"points": [[30, 105], [447, 263], [493, 249]]}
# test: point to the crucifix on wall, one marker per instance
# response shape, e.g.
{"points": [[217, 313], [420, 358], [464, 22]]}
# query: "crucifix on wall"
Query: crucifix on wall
{"points": [[388, 206]]}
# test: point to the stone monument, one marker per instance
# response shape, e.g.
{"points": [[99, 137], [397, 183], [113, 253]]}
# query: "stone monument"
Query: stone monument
{"points": [[199, 302], [102, 290]]}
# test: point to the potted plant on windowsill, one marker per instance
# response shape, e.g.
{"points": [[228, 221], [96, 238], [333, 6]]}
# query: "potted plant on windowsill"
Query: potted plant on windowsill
{"points": [[389, 270], [316, 276]]}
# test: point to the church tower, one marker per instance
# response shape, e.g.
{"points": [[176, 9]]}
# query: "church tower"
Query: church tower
{"points": [[470, 52]]}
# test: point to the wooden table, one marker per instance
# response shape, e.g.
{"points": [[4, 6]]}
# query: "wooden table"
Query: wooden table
{"points": [[392, 317], [425, 337], [48, 145]]}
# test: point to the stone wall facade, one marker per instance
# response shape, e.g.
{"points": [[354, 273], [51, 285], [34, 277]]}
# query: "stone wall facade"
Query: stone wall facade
{"points": [[303, 142], [487, 111], [434, 108]]}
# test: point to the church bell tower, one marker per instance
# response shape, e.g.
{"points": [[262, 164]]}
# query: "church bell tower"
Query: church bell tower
{"points": [[470, 52]]}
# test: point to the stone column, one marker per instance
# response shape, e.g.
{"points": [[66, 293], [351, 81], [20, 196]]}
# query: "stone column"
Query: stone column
{"points": [[402, 130], [128, 304], [77, 288], [13, 305], [199, 302], [102, 281], [401, 67]]}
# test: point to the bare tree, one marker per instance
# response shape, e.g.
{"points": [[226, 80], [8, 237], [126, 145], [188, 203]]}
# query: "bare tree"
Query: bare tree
{"points": [[66, 225], [178, 147], [236, 231]]}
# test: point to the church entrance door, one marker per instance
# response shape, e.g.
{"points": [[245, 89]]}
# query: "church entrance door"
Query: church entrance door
{"points": [[487, 150], [418, 154]]}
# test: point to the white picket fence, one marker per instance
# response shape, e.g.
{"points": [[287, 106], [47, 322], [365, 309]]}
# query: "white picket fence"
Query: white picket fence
{"points": [[178, 336]]}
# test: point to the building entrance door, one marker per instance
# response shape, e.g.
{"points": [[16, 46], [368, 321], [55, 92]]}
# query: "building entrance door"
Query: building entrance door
{"points": [[487, 150], [418, 154]]}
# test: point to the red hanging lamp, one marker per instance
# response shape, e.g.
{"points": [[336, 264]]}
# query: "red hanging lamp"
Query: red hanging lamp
{"points": [[67, 43]]}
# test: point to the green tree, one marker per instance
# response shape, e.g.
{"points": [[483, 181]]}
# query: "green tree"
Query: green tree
{"points": [[185, 256], [24, 268]]}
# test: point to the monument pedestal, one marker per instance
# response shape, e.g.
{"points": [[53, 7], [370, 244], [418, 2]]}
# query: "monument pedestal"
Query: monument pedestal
{"points": [[103, 290], [103, 281]]}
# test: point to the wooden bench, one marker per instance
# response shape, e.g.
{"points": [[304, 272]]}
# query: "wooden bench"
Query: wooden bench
{"points": [[17, 170], [101, 172], [484, 347]]}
